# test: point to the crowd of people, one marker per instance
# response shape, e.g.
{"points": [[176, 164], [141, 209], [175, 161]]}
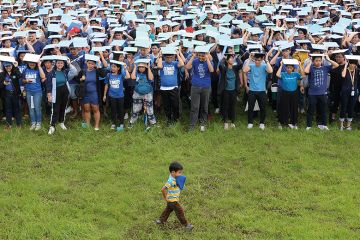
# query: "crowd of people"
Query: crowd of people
{"points": [[126, 59]]}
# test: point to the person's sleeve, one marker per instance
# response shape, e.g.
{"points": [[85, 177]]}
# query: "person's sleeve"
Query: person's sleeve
{"points": [[168, 184], [106, 80], [48, 83], [72, 72]]}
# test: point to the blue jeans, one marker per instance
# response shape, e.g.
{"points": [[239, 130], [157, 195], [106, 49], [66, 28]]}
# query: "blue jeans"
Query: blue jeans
{"points": [[35, 110]]}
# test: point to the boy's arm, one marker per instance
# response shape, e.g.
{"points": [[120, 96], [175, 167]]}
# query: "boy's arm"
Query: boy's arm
{"points": [[164, 192]]}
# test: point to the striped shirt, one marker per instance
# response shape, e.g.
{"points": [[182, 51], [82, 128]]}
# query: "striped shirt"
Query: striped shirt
{"points": [[173, 191]]}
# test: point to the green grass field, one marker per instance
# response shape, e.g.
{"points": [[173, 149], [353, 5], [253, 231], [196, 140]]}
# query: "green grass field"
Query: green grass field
{"points": [[242, 184]]}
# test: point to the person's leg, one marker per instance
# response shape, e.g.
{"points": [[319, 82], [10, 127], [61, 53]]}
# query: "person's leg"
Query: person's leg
{"points": [[251, 105], [204, 105], [148, 101], [214, 87], [37, 104], [179, 211], [165, 95], [166, 213], [262, 106], [95, 109], [343, 108], [311, 110], [55, 109], [232, 106], [195, 104], [225, 105], [283, 103], [294, 107], [121, 111], [8, 104], [113, 109], [64, 100], [87, 113], [323, 106], [175, 106], [350, 110], [31, 106], [16, 109], [137, 104]]}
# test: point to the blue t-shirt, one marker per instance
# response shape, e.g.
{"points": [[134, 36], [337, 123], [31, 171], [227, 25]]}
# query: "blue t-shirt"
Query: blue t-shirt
{"points": [[318, 78], [116, 84], [90, 82], [168, 74], [8, 87], [33, 75], [257, 78], [230, 80], [289, 82], [200, 74]]}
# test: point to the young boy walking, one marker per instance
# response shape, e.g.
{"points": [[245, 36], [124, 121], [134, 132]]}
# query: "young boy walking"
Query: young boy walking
{"points": [[171, 194]]}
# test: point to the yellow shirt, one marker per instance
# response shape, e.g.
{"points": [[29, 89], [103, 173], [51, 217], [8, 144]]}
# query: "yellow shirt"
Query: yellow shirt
{"points": [[173, 191]]}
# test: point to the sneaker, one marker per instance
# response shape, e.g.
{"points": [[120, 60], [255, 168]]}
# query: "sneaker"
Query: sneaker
{"points": [[113, 127], [130, 125], [51, 130], [308, 128], [217, 110], [226, 126], [232, 125], [83, 125], [158, 222], [295, 127], [96, 129], [250, 126], [38, 127], [280, 127], [302, 111], [202, 128], [126, 116], [62, 126], [291, 126], [262, 126], [321, 127], [325, 128], [147, 128], [120, 128], [349, 128], [33, 126], [189, 227]]}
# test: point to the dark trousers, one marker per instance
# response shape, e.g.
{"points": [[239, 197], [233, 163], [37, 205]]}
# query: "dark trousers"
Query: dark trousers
{"points": [[128, 99], [317, 102], [288, 107], [261, 98], [199, 105], [58, 108], [117, 110], [335, 99], [179, 211], [347, 105], [170, 100], [228, 102], [12, 108], [214, 87]]}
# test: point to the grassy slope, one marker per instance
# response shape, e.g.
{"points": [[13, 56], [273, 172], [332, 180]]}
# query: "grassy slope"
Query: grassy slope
{"points": [[241, 184]]}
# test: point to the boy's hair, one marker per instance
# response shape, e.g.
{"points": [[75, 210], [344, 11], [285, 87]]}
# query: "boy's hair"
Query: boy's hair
{"points": [[175, 166]]}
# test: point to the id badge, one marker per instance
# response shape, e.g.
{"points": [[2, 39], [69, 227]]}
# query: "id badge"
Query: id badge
{"points": [[352, 93]]}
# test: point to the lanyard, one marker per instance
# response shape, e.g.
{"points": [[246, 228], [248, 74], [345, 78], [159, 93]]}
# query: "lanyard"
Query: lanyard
{"points": [[352, 77]]}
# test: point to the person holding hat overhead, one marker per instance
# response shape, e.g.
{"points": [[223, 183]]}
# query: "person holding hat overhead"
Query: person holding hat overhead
{"points": [[10, 88], [32, 77], [169, 84], [90, 83], [114, 88], [229, 87], [318, 79], [201, 68], [57, 90], [257, 87], [143, 92], [349, 91]]}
